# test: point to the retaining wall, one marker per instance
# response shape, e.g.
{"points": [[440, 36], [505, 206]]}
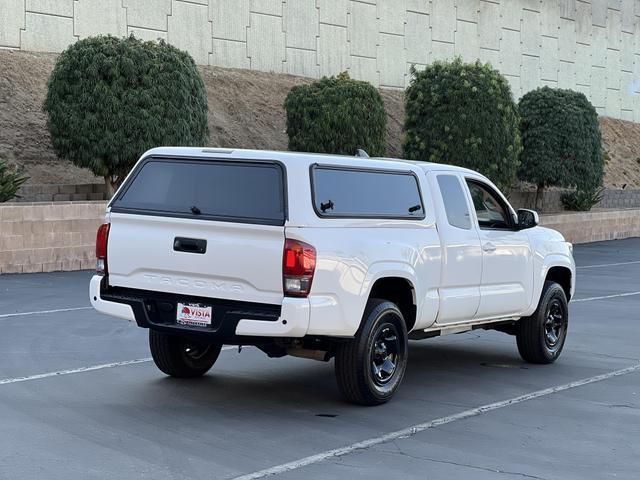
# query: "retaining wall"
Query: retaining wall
{"points": [[611, 199], [61, 193], [595, 226], [552, 203], [45, 237]]}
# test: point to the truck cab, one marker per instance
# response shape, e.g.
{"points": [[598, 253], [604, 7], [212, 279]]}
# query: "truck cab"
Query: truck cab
{"points": [[324, 256]]}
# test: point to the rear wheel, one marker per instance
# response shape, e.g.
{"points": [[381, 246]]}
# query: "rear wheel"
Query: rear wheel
{"points": [[370, 367], [180, 357], [541, 336]]}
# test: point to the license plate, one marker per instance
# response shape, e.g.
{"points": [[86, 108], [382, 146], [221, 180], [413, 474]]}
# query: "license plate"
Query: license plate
{"points": [[193, 315]]}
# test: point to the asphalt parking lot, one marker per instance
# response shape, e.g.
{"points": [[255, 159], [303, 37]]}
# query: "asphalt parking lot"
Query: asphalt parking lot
{"points": [[79, 398]]}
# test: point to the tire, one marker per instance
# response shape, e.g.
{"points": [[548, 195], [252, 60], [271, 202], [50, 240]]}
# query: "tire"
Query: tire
{"points": [[541, 336], [180, 357], [370, 367]]}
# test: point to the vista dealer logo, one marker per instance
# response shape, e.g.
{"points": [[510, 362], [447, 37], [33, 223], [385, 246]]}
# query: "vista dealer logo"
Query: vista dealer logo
{"points": [[193, 315]]}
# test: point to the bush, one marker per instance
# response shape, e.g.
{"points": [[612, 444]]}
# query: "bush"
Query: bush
{"points": [[463, 114], [582, 200], [562, 141], [336, 115], [110, 99], [10, 182]]}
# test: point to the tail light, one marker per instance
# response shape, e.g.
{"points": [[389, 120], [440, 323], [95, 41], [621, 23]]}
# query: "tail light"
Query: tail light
{"points": [[298, 267], [101, 249]]}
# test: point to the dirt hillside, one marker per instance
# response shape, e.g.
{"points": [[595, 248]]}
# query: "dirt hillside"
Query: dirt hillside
{"points": [[245, 111], [622, 146]]}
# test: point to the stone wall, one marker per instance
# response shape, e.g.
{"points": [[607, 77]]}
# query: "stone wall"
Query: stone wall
{"points": [[45, 237], [590, 46], [552, 203], [61, 193], [596, 226], [627, 198], [611, 199]]}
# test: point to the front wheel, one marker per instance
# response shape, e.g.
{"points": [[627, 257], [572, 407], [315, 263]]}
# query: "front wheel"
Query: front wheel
{"points": [[541, 336], [370, 367], [181, 357]]}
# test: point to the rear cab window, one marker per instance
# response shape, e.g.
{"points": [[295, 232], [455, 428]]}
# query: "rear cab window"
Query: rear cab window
{"points": [[345, 192], [455, 202], [232, 191]]}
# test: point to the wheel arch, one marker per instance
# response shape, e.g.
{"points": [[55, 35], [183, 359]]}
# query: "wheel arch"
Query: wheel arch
{"points": [[400, 291], [559, 268], [562, 275]]}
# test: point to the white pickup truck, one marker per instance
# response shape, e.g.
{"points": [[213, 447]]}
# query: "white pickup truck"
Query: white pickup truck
{"points": [[323, 256]]}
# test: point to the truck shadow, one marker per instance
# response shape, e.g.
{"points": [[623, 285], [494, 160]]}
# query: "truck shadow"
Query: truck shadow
{"points": [[250, 397], [444, 372]]}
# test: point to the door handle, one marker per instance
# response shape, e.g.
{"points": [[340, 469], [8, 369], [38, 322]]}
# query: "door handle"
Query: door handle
{"points": [[489, 247], [189, 245]]}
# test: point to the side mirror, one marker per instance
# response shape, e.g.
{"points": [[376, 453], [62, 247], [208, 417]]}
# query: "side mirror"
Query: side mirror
{"points": [[527, 218]]}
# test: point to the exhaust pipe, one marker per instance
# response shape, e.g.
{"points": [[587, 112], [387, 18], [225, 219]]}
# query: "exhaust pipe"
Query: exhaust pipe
{"points": [[319, 355]]}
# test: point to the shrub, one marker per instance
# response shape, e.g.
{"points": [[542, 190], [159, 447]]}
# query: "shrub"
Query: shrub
{"points": [[562, 141], [10, 182], [336, 115], [110, 99], [463, 114], [582, 200]]}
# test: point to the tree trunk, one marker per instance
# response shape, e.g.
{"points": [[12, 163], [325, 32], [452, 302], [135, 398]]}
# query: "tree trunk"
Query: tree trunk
{"points": [[540, 198], [112, 184]]}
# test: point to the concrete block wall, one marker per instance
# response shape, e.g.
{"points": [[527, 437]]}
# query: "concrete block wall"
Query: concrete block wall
{"points": [[46, 237], [595, 226], [591, 46], [552, 199], [627, 198], [61, 193]]}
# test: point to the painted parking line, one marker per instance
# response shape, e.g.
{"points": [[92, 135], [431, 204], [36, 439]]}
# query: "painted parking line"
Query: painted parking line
{"points": [[609, 264], [91, 368], [413, 430], [42, 312], [604, 297]]}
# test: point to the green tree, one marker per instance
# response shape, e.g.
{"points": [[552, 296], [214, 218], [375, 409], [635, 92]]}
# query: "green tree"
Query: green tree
{"points": [[111, 99], [463, 114], [562, 141], [336, 115], [10, 182]]}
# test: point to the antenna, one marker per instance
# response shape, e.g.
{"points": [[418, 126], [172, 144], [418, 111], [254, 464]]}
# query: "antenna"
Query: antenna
{"points": [[362, 153]]}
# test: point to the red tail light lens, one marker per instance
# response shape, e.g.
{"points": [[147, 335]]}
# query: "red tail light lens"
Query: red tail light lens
{"points": [[298, 267], [101, 249]]}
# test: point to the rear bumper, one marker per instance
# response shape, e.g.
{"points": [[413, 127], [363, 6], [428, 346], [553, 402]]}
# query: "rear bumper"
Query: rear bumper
{"points": [[232, 320], [114, 309]]}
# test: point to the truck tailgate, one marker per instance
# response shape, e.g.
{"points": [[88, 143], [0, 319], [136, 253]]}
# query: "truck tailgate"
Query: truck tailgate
{"points": [[241, 261]]}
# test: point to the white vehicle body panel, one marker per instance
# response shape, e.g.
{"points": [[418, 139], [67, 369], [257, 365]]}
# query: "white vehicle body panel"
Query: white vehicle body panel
{"points": [[458, 278], [242, 261], [461, 267]]}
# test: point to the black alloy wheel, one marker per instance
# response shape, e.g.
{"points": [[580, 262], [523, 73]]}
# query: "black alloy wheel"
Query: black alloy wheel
{"points": [[541, 336], [370, 367], [385, 354]]}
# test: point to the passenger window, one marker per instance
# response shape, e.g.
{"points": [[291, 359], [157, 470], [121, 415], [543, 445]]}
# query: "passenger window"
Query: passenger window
{"points": [[490, 209], [343, 192], [455, 203]]}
